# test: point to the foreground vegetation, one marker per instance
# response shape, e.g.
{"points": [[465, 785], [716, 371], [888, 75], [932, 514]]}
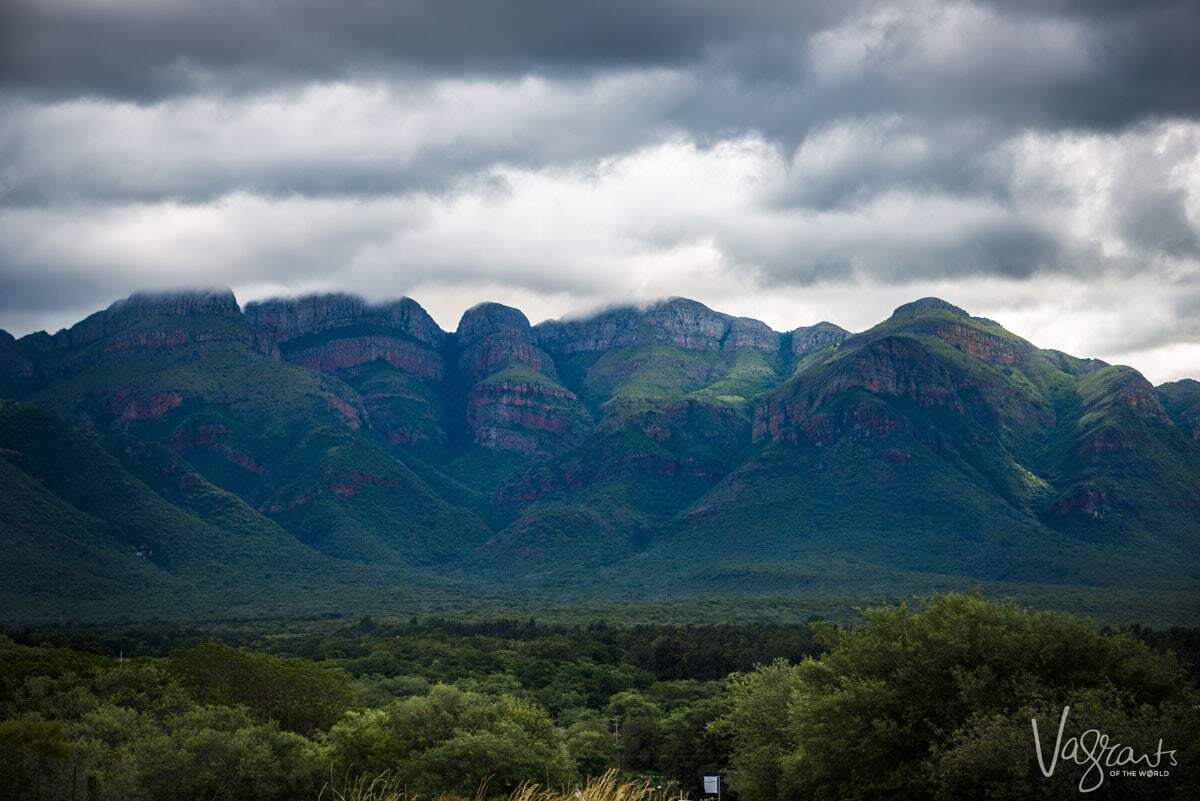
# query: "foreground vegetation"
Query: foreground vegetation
{"points": [[916, 702]]}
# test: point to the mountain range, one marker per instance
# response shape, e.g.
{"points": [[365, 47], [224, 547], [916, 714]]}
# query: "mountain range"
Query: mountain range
{"points": [[179, 456]]}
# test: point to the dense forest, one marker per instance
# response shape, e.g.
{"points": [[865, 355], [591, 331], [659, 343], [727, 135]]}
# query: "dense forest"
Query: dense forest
{"points": [[929, 700]]}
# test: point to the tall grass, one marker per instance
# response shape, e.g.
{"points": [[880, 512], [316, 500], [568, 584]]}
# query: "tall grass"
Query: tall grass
{"points": [[609, 787]]}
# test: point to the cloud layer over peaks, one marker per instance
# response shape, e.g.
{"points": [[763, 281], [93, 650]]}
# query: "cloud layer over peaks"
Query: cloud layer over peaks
{"points": [[1038, 163]]}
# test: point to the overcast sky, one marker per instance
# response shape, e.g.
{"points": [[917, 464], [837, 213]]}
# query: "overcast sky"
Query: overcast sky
{"points": [[1034, 162]]}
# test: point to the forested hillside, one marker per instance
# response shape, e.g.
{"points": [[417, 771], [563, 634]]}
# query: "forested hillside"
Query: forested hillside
{"points": [[180, 456]]}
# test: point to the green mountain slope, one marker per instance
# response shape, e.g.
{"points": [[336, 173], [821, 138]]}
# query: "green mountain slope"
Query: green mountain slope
{"points": [[59, 559], [128, 526], [285, 438], [939, 443], [320, 453]]}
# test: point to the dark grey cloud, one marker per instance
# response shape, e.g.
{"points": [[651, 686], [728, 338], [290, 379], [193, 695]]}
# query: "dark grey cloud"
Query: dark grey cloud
{"points": [[1138, 59], [343, 139], [164, 76], [578, 154], [1158, 222], [146, 50], [39, 289]]}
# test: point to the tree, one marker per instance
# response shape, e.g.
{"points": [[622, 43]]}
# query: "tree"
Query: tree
{"points": [[451, 741], [34, 757], [299, 695], [937, 704], [638, 719], [690, 747], [205, 753], [592, 746], [757, 724]]}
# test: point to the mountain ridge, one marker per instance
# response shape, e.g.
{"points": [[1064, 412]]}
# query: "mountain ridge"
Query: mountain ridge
{"points": [[580, 453]]}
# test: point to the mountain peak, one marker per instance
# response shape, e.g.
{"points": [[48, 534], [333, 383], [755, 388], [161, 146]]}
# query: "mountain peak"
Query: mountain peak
{"points": [[485, 319], [806, 339], [290, 318], [680, 302], [177, 303], [676, 321], [928, 304], [824, 325], [121, 315]]}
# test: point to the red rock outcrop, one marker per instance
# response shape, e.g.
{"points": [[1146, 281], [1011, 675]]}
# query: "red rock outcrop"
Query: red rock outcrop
{"points": [[129, 409], [991, 348], [491, 336], [335, 333], [345, 336], [213, 437], [525, 416], [352, 482], [975, 336], [514, 401], [1090, 502], [343, 354], [124, 314], [890, 366], [895, 366]]}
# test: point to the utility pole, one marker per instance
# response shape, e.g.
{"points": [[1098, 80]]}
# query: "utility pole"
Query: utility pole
{"points": [[616, 729]]}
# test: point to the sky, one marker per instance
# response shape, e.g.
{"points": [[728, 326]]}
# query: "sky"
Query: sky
{"points": [[1037, 163]]}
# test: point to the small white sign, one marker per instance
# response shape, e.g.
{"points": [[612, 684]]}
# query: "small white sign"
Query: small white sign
{"points": [[712, 784]]}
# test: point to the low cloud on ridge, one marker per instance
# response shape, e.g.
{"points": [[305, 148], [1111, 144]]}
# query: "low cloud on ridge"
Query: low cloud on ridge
{"points": [[1036, 163]]}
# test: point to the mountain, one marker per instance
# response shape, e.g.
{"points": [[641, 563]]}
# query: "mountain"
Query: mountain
{"points": [[316, 454], [116, 528]]}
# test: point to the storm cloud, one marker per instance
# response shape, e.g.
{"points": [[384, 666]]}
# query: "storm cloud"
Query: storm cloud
{"points": [[1038, 163]]}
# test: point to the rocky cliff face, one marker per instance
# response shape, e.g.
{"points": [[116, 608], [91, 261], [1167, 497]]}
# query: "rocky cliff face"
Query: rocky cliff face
{"points": [[809, 339], [891, 366], [348, 352], [526, 415], [514, 400], [124, 314], [392, 353], [491, 336], [291, 319], [1118, 406], [974, 336], [678, 322], [893, 361], [335, 333], [143, 321], [991, 348]]}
